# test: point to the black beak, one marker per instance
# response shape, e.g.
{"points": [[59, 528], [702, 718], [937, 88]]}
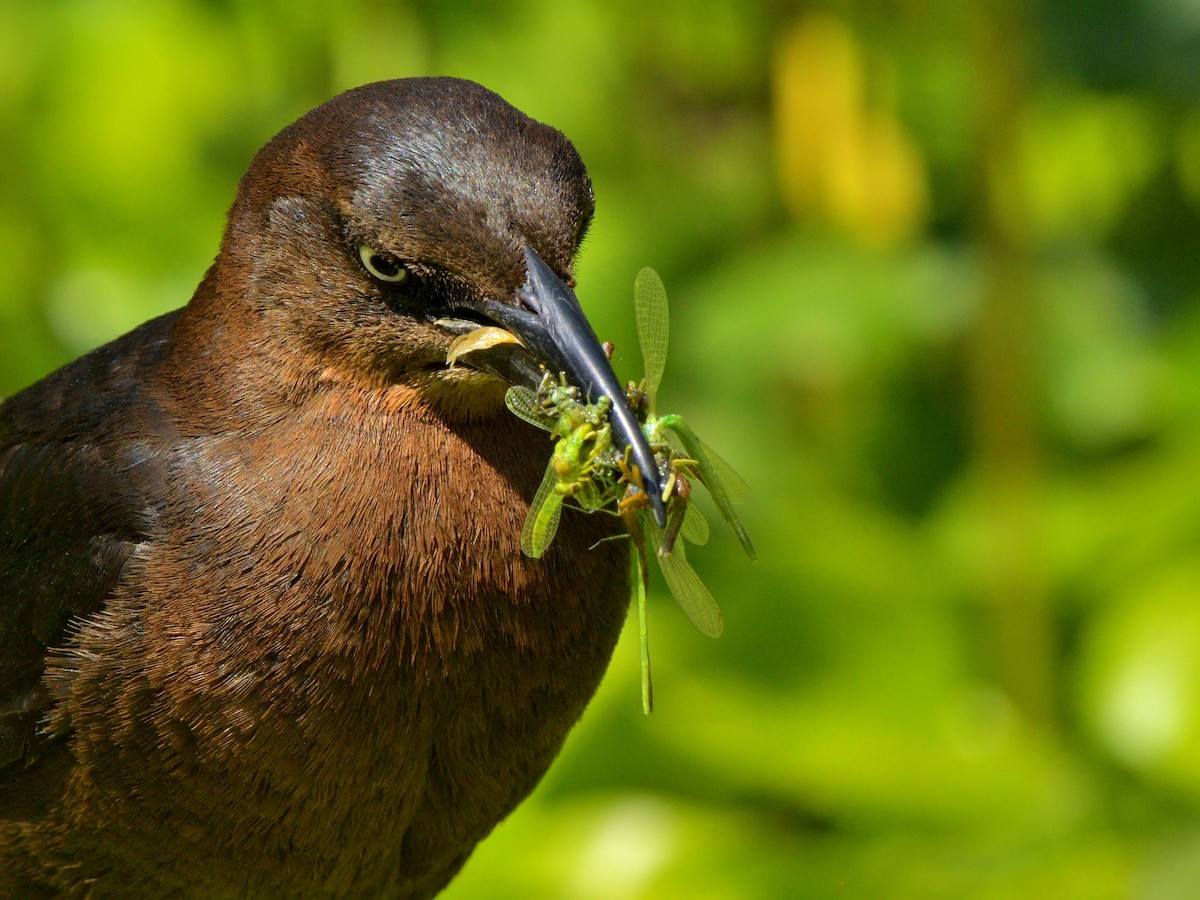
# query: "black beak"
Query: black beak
{"points": [[550, 322]]}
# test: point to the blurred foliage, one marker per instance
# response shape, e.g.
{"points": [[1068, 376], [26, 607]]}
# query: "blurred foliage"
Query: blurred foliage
{"points": [[934, 272]]}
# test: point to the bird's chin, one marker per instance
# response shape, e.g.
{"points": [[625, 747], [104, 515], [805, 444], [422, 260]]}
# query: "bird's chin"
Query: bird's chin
{"points": [[462, 393], [468, 378]]}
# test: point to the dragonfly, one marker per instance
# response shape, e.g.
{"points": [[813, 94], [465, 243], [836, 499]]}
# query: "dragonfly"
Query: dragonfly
{"points": [[581, 464], [670, 435], [586, 469], [684, 457]]}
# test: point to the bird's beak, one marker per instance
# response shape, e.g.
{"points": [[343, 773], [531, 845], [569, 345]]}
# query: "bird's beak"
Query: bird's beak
{"points": [[549, 321]]}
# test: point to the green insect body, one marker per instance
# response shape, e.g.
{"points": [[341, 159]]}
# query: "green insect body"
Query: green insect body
{"points": [[587, 469], [723, 484], [582, 464], [580, 452]]}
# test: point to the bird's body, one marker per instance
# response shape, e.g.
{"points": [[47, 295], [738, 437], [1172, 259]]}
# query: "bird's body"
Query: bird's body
{"points": [[265, 627]]}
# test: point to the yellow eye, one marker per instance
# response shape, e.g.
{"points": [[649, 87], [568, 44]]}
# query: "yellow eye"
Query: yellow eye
{"points": [[381, 265]]}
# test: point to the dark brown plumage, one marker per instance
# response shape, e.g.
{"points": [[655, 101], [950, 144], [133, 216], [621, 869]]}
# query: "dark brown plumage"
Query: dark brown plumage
{"points": [[265, 627]]}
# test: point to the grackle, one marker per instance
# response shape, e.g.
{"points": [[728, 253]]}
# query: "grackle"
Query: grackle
{"points": [[265, 627]]}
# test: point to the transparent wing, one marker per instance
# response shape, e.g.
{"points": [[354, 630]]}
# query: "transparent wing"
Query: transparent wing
{"points": [[734, 484], [695, 526], [713, 478], [523, 403], [687, 588], [542, 521], [650, 305]]}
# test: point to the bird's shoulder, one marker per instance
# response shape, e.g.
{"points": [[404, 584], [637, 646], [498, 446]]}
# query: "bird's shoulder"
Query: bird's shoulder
{"points": [[81, 482]]}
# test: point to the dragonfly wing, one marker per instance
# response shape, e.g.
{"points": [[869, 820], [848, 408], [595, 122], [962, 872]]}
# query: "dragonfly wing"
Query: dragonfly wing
{"points": [[650, 305], [712, 479], [542, 521], [687, 588], [734, 484], [695, 526], [522, 403]]}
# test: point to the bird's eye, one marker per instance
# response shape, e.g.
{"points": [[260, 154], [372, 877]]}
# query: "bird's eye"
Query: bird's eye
{"points": [[381, 265]]}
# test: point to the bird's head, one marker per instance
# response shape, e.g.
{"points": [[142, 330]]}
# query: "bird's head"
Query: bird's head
{"points": [[395, 217]]}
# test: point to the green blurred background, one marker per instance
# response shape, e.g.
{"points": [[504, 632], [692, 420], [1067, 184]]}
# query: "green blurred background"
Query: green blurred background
{"points": [[934, 279]]}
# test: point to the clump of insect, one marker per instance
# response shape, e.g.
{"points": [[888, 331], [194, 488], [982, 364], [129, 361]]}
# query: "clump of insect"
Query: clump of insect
{"points": [[589, 472]]}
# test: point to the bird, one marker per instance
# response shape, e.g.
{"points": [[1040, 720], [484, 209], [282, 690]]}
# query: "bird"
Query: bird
{"points": [[265, 625]]}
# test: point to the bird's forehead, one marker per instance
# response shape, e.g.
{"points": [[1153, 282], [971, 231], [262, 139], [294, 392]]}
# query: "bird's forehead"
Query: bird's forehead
{"points": [[465, 186], [404, 172]]}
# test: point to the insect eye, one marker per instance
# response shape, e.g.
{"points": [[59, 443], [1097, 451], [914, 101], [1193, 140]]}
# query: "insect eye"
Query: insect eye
{"points": [[381, 265]]}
